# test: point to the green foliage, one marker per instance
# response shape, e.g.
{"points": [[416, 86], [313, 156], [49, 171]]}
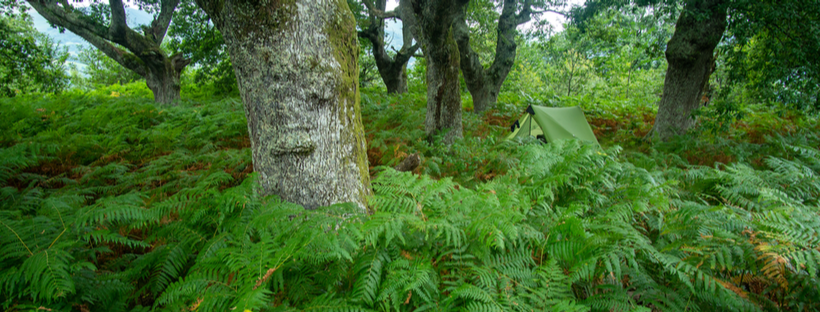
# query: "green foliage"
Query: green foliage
{"points": [[772, 51], [111, 203], [768, 50], [482, 17], [193, 34], [396, 130], [13, 8], [615, 65], [101, 71], [368, 72], [82, 177], [29, 61]]}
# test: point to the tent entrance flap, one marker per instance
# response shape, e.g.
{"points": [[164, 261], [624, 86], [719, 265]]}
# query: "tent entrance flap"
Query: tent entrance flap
{"points": [[554, 123], [525, 126]]}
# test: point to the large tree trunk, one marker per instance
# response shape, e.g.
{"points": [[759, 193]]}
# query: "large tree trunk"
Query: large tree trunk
{"points": [[165, 88], [431, 23], [690, 55], [296, 67], [393, 70], [484, 85]]}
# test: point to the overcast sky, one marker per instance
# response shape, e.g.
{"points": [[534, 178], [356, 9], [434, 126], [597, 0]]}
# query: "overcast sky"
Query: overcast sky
{"points": [[136, 17], [556, 20]]}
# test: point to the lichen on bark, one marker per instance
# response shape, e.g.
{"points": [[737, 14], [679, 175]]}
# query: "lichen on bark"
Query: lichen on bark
{"points": [[346, 51], [298, 79]]}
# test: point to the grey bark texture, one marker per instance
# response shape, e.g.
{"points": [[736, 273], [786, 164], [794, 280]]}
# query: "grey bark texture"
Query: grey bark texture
{"points": [[393, 70], [296, 68], [161, 72], [431, 23], [690, 54], [484, 84]]}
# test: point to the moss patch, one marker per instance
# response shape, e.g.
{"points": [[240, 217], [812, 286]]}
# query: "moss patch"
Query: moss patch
{"points": [[273, 15], [341, 31]]}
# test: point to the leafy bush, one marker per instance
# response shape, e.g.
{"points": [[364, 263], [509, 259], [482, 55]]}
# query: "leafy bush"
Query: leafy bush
{"points": [[29, 61]]}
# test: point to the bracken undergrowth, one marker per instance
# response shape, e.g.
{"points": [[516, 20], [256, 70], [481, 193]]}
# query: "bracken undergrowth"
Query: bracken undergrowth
{"points": [[112, 203]]}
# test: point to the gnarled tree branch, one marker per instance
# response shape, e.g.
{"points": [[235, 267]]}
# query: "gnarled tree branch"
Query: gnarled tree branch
{"points": [[118, 27], [380, 12], [159, 26], [143, 54], [68, 18]]}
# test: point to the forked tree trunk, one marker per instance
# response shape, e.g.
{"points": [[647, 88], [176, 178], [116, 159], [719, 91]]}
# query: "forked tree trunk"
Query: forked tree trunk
{"points": [[392, 69], [431, 24], [485, 84], [690, 55], [296, 67]]}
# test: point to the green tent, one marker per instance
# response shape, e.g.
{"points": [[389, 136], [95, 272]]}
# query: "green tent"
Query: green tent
{"points": [[553, 123]]}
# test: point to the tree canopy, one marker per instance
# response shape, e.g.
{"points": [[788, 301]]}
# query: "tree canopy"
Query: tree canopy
{"points": [[29, 60], [772, 48]]}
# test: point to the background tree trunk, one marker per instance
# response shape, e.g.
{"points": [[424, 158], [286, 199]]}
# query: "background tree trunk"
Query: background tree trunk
{"points": [[296, 67], [443, 93], [163, 78], [395, 78], [484, 85], [165, 88], [393, 70], [431, 23], [690, 55], [484, 96]]}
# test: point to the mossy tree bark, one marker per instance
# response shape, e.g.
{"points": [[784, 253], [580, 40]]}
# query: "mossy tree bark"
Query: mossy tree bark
{"points": [[161, 72], [484, 84], [431, 24], [690, 54], [296, 67], [392, 69]]}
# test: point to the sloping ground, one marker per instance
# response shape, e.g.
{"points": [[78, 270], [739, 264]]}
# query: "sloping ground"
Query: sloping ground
{"points": [[110, 203]]}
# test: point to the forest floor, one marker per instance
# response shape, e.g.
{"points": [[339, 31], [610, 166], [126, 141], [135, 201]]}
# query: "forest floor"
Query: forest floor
{"points": [[107, 187]]}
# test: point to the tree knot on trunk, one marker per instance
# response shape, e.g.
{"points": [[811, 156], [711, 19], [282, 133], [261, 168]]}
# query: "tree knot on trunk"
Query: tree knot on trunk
{"points": [[179, 62], [297, 142]]}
